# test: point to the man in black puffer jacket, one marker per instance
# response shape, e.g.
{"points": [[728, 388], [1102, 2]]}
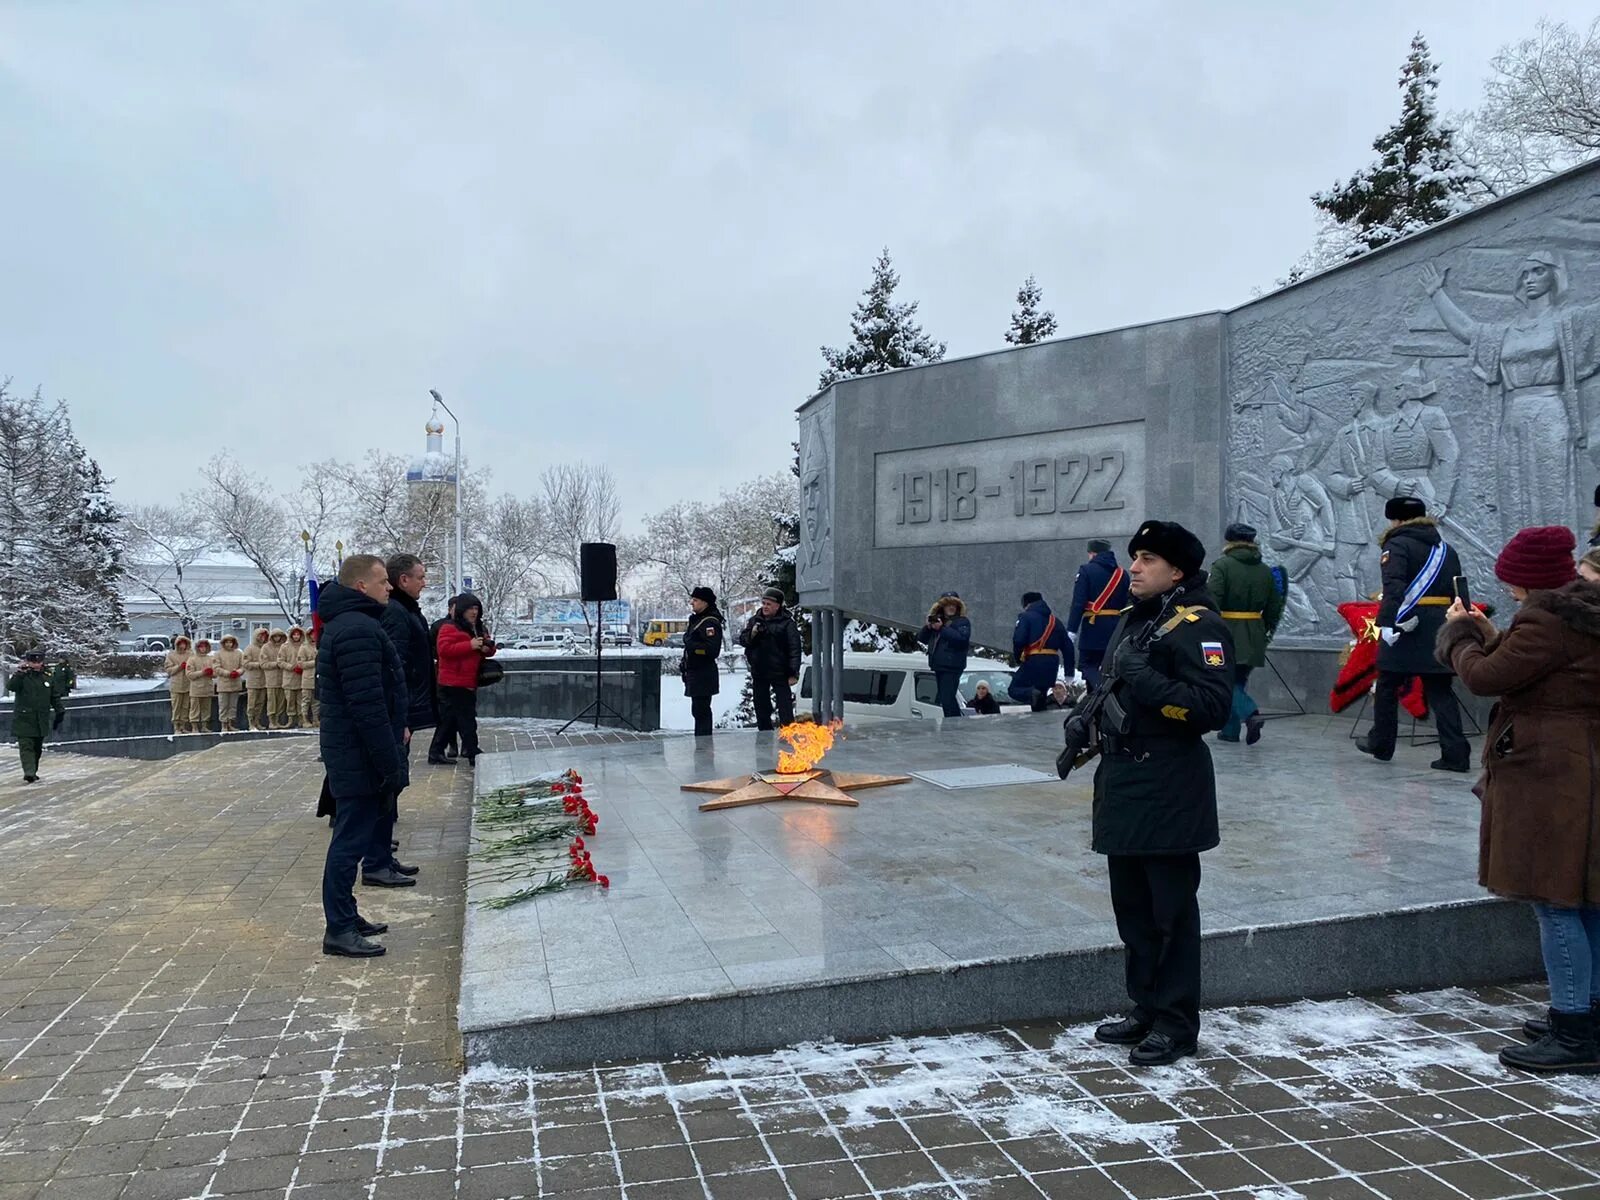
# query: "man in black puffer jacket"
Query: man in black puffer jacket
{"points": [[407, 628], [363, 691]]}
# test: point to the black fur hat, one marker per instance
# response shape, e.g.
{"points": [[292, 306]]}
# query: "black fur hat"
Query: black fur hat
{"points": [[1171, 541], [1404, 508]]}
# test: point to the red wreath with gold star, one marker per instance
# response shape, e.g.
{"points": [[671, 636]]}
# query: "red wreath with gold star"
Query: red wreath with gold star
{"points": [[1358, 665]]}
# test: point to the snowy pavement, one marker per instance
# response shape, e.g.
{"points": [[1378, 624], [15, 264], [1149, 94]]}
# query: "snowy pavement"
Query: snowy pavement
{"points": [[168, 1031]]}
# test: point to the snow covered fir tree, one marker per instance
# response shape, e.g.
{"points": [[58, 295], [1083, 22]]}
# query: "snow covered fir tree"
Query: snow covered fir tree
{"points": [[60, 546], [1030, 323], [884, 335], [1419, 178]]}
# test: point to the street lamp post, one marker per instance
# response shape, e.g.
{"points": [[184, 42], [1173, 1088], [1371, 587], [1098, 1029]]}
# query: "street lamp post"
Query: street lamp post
{"points": [[459, 582]]}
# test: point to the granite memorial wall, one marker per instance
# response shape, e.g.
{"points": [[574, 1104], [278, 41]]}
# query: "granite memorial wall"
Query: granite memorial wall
{"points": [[1457, 366]]}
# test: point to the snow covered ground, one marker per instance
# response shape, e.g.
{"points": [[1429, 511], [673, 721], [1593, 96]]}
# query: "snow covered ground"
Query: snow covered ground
{"points": [[100, 685]]}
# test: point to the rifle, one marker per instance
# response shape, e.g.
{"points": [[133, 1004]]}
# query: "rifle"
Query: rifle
{"points": [[1084, 747]]}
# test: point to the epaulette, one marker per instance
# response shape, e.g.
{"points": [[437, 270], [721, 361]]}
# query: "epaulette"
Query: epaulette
{"points": [[1183, 613]]}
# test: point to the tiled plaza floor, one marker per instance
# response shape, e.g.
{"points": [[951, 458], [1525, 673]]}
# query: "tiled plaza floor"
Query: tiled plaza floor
{"points": [[169, 1031]]}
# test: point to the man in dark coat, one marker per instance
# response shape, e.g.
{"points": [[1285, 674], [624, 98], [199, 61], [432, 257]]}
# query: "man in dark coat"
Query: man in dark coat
{"points": [[1155, 794], [1037, 642], [702, 645], [1248, 597], [407, 628], [363, 734], [1419, 573], [1099, 595], [772, 646], [948, 637], [37, 709]]}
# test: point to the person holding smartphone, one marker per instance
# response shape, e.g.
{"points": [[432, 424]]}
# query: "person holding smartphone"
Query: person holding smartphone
{"points": [[1541, 783], [37, 710]]}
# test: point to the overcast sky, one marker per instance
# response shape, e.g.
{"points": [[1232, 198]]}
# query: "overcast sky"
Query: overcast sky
{"points": [[620, 232]]}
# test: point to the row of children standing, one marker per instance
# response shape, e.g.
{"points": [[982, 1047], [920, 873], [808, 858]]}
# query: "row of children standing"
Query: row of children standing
{"points": [[277, 672]]}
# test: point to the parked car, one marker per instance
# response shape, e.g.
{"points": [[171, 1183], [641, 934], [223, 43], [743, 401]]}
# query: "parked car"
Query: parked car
{"points": [[890, 687], [675, 641]]}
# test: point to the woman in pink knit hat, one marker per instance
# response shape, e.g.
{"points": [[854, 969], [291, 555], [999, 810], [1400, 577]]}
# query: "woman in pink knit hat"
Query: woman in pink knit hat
{"points": [[1541, 783]]}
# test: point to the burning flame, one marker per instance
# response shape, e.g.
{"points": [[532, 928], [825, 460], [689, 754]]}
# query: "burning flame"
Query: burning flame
{"points": [[807, 742]]}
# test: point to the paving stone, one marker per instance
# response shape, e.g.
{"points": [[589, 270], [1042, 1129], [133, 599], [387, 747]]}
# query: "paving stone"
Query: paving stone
{"points": [[169, 1030]]}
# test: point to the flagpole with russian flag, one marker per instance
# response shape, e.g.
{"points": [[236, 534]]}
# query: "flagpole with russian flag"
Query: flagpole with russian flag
{"points": [[313, 585]]}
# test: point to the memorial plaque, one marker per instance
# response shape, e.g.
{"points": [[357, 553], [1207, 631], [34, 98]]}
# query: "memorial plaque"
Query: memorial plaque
{"points": [[1055, 486]]}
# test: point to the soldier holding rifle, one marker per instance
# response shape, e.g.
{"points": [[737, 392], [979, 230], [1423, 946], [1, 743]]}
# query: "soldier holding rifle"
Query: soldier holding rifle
{"points": [[1168, 681]]}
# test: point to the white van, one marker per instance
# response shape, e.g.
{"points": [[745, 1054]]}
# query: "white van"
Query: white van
{"points": [[897, 687]]}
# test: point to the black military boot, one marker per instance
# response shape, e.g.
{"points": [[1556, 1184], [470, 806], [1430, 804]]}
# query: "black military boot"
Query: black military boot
{"points": [[397, 865], [368, 928], [1366, 747], [1253, 725], [350, 945], [1444, 764], [1535, 1028], [1569, 1047], [1129, 1031]]}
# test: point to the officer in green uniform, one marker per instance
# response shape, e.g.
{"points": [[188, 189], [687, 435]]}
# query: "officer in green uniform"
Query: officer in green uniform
{"points": [[63, 678], [31, 712], [1155, 795]]}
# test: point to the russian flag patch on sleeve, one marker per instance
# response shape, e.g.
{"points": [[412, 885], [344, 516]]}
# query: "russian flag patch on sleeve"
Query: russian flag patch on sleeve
{"points": [[1212, 653]]}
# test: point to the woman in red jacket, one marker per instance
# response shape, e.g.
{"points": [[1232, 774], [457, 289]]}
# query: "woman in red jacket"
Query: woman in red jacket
{"points": [[463, 644]]}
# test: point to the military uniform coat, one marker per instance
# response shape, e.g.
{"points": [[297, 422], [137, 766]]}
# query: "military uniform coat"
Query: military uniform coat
{"points": [[1539, 837], [36, 704], [1039, 670], [230, 665], [1241, 582], [176, 667], [255, 660], [1405, 550], [274, 656], [201, 684], [1158, 794], [702, 644], [1093, 634]]}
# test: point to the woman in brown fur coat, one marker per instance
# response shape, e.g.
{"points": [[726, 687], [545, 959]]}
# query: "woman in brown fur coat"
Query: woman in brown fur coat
{"points": [[1540, 833]]}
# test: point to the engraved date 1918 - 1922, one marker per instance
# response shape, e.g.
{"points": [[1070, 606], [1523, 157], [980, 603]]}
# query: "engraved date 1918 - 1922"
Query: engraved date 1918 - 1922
{"points": [[1039, 487]]}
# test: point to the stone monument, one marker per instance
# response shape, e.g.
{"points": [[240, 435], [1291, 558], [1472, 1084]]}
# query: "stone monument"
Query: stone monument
{"points": [[1457, 366]]}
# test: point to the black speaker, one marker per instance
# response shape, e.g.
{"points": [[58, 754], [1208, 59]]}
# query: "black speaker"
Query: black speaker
{"points": [[598, 571]]}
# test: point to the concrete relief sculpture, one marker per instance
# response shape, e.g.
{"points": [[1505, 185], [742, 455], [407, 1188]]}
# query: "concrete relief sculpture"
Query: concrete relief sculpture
{"points": [[1533, 366], [814, 564], [1413, 383]]}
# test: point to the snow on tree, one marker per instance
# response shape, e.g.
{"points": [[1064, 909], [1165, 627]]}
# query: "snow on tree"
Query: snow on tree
{"points": [[242, 513], [60, 544], [1419, 178], [160, 546], [1541, 109], [725, 545], [580, 504], [1335, 243], [1030, 323], [503, 553], [884, 335]]}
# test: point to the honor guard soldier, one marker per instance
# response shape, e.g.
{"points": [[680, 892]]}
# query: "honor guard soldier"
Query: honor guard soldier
{"points": [[1419, 584], [1167, 681], [1099, 594]]}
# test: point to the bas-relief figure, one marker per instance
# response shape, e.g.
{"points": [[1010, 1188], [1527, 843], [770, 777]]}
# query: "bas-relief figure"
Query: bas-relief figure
{"points": [[814, 563], [1533, 367], [1324, 445]]}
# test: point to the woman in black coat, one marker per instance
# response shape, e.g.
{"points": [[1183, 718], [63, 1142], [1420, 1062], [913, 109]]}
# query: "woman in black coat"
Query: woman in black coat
{"points": [[702, 646]]}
